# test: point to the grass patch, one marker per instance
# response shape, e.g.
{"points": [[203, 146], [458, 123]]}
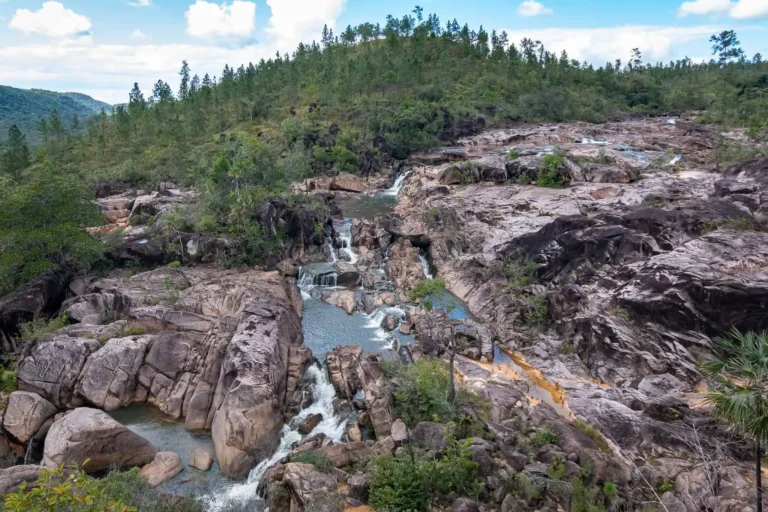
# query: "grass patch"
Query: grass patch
{"points": [[513, 154], [618, 312], [594, 434], [39, 327], [319, 460]]}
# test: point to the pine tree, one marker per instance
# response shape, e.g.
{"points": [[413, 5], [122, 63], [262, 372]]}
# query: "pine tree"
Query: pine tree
{"points": [[15, 158], [185, 79]]}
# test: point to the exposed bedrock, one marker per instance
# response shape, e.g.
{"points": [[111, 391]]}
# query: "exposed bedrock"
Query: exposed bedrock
{"points": [[221, 349]]}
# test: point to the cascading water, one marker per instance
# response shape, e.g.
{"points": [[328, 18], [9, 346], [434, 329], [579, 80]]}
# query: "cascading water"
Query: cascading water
{"points": [[425, 265], [28, 453], [332, 425], [345, 234], [398, 185]]}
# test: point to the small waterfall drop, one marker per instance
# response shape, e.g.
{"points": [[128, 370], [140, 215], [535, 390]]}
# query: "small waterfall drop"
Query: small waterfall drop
{"points": [[425, 265], [333, 426], [28, 453], [398, 185], [345, 234]]}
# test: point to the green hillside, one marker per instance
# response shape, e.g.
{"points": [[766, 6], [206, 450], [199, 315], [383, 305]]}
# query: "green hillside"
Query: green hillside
{"points": [[25, 107]]}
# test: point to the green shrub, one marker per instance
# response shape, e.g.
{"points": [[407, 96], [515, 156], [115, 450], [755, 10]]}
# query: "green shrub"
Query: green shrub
{"points": [[666, 485], [538, 314], [396, 485], [319, 460], [423, 393], [134, 331], [62, 490], [557, 469], [455, 471], [513, 154], [544, 436], [427, 288], [520, 272], [550, 169], [39, 327], [609, 490], [586, 499], [174, 264], [8, 380]]}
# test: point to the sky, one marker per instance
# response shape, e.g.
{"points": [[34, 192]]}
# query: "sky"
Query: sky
{"points": [[101, 47]]}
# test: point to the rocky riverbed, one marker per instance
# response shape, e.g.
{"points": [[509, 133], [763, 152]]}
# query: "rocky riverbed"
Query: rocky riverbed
{"points": [[581, 311]]}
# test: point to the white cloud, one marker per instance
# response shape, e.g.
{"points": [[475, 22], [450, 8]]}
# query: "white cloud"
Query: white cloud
{"points": [[294, 21], [704, 7], [600, 45], [53, 20], [740, 9], [141, 3], [138, 35], [533, 8], [209, 20], [750, 9]]}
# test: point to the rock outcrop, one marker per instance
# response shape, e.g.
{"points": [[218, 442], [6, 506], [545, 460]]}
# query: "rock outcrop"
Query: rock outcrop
{"points": [[221, 349], [91, 435]]}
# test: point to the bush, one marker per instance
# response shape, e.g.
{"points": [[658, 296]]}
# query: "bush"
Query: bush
{"points": [[513, 154], [549, 171], [8, 380], [427, 288], [538, 314], [319, 460], [587, 499], [39, 327], [544, 436], [423, 393], [174, 264], [455, 471], [62, 490], [521, 272], [396, 485]]}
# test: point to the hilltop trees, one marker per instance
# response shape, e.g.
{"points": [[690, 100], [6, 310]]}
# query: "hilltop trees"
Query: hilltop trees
{"points": [[15, 157]]}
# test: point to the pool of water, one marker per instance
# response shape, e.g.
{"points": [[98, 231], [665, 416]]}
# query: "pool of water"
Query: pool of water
{"points": [[326, 327], [368, 207], [170, 435]]}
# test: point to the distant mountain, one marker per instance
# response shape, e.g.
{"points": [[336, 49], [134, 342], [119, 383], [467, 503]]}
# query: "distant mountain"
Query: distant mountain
{"points": [[24, 108]]}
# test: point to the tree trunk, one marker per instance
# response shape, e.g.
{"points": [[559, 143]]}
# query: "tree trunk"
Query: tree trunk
{"points": [[758, 477]]}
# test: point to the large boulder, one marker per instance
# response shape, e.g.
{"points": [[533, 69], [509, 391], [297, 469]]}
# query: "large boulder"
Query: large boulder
{"points": [[201, 459], [12, 478], [349, 183], [109, 378], [165, 466], [25, 414], [91, 435], [52, 366]]}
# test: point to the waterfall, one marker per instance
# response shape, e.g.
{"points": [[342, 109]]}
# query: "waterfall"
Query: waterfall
{"points": [[425, 265], [676, 159], [28, 453], [345, 234], [398, 186], [333, 426]]}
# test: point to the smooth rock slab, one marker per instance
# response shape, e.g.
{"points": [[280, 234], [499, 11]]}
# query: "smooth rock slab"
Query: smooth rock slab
{"points": [[165, 466], [90, 434], [25, 414]]}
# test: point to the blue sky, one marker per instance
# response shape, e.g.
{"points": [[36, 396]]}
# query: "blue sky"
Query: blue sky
{"points": [[101, 47]]}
